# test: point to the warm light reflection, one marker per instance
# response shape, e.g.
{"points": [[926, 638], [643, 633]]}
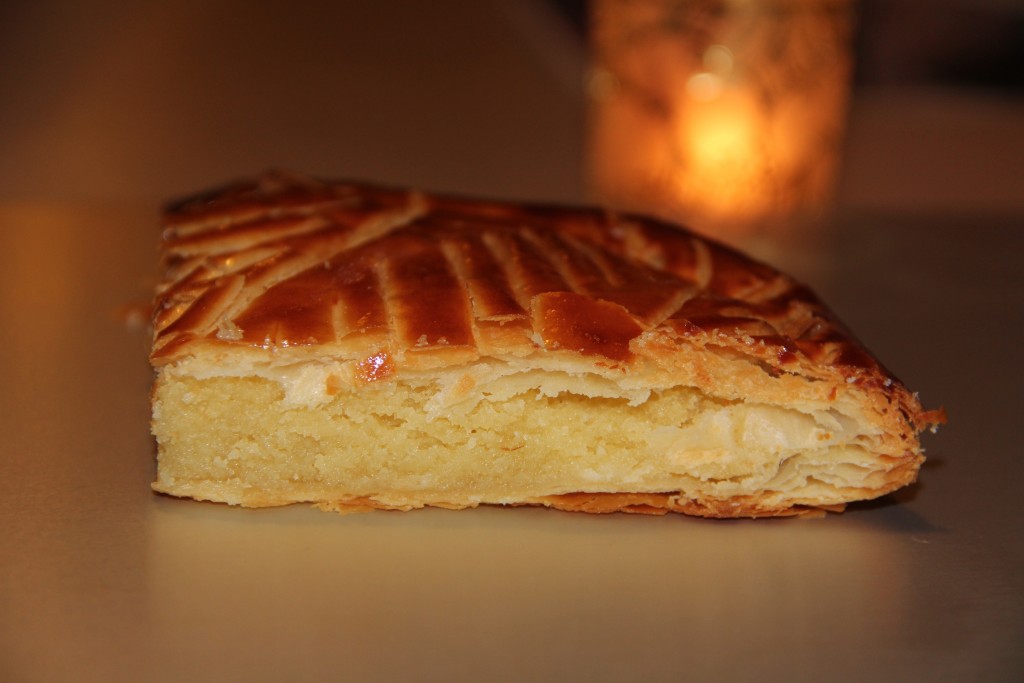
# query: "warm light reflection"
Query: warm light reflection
{"points": [[438, 570]]}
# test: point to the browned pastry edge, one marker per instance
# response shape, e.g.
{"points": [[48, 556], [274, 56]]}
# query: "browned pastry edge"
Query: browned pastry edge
{"points": [[244, 267], [629, 503]]}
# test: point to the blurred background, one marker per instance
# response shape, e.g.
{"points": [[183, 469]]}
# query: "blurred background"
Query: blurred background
{"points": [[118, 100]]}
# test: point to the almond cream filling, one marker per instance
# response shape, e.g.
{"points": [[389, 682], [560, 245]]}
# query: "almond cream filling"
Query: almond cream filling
{"points": [[287, 436]]}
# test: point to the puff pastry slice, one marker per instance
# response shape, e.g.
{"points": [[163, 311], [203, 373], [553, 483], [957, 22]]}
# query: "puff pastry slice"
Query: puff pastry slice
{"points": [[361, 347]]}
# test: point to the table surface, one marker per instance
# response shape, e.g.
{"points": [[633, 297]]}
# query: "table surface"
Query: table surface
{"points": [[100, 579]]}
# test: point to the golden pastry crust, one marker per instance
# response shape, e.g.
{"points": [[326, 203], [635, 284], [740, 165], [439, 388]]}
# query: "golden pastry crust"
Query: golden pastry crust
{"points": [[366, 287]]}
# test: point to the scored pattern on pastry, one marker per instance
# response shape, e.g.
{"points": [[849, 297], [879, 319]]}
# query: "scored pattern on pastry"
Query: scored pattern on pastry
{"points": [[285, 261]]}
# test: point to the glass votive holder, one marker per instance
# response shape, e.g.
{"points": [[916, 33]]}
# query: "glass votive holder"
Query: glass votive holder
{"points": [[722, 114]]}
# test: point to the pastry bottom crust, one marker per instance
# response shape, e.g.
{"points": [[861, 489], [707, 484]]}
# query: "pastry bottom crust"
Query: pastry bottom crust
{"points": [[630, 503]]}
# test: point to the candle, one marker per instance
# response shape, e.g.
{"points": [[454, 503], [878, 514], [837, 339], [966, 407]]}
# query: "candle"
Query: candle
{"points": [[717, 113]]}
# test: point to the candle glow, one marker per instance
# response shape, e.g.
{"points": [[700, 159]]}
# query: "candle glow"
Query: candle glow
{"points": [[735, 117]]}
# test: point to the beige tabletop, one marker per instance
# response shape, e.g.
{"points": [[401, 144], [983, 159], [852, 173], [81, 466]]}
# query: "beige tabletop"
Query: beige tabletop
{"points": [[102, 580]]}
